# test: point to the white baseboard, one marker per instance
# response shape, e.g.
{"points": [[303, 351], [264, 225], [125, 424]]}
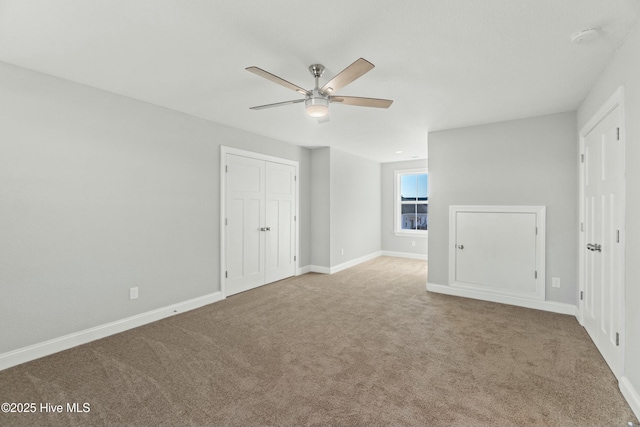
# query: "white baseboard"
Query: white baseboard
{"points": [[343, 266], [631, 394], [354, 262], [36, 351], [319, 269], [552, 306], [405, 255], [303, 270]]}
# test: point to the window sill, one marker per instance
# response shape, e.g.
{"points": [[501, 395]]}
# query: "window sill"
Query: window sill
{"points": [[411, 233]]}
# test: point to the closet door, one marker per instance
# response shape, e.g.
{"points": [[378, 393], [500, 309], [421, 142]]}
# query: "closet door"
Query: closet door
{"points": [[245, 241], [280, 224], [259, 222]]}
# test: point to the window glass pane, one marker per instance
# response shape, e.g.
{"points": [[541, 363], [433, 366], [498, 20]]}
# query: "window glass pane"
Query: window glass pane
{"points": [[422, 211], [409, 208], [408, 187], [409, 221], [422, 186]]}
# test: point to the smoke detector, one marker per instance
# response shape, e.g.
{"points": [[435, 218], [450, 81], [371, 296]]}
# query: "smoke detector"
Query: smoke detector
{"points": [[585, 35]]}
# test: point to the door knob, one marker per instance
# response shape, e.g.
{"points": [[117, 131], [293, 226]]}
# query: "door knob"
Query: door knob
{"points": [[268, 228], [263, 228], [460, 246], [589, 246]]}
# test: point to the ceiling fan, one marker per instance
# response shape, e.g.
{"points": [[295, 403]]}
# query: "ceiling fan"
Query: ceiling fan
{"points": [[317, 100]]}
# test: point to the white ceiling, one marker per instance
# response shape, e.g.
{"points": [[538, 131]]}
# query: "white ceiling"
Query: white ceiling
{"points": [[445, 63]]}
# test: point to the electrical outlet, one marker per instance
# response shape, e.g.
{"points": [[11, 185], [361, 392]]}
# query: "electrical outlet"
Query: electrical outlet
{"points": [[342, 251], [555, 282], [133, 293], [413, 243]]}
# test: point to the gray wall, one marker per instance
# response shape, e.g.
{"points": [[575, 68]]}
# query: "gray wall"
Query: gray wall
{"points": [[320, 202], [391, 242], [355, 207], [519, 162], [99, 193], [624, 70], [345, 207]]}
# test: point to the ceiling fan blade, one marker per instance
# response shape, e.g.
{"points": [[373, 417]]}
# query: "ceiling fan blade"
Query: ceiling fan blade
{"points": [[346, 76], [277, 104], [362, 102], [267, 75]]}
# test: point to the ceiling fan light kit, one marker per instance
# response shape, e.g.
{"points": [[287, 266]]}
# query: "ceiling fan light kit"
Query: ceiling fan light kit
{"points": [[316, 107], [316, 101]]}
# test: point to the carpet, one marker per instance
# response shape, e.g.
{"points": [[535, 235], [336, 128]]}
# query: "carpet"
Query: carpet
{"points": [[364, 347]]}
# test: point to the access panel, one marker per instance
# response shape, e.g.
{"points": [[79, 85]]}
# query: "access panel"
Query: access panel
{"points": [[498, 251]]}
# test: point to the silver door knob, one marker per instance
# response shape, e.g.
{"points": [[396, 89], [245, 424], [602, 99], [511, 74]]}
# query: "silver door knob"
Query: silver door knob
{"points": [[460, 246], [268, 228], [263, 228]]}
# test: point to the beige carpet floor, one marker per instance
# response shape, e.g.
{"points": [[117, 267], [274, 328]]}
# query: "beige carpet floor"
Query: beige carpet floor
{"points": [[365, 347]]}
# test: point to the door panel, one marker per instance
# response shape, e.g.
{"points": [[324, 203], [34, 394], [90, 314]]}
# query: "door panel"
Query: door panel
{"points": [[603, 302], [245, 216], [280, 219], [497, 250]]}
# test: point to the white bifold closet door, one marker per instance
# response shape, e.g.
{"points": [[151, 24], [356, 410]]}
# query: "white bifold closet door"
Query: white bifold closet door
{"points": [[260, 226]]}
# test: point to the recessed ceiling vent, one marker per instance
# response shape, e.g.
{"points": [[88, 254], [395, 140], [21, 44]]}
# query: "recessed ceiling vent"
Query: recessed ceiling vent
{"points": [[585, 35]]}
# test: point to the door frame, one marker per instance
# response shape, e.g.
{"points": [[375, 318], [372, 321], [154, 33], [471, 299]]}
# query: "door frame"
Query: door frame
{"points": [[224, 150], [616, 100]]}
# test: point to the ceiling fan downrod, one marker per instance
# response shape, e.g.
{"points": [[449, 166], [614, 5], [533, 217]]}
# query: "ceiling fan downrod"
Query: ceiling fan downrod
{"points": [[316, 71], [317, 103]]}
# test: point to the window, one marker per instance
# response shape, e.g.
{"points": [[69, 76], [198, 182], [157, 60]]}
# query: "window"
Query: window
{"points": [[412, 202]]}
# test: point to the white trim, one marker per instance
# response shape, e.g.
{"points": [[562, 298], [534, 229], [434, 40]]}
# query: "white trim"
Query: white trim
{"points": [[616, 99], [343, 266], [631, 394], [36, 351], [319, 269], [540, 212], [303, 270], [405, 255], [224, 150], [412, 233], [354, 262], [552, 306]]}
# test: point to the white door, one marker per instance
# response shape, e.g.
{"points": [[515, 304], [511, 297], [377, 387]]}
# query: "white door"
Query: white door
{"points": [[280, 197], [244, 219], [259, 222], [603, 298], [497, 251]]}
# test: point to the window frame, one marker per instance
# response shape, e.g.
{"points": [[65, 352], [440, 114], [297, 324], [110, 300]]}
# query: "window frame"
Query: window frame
{"points": [[397, 209]]}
